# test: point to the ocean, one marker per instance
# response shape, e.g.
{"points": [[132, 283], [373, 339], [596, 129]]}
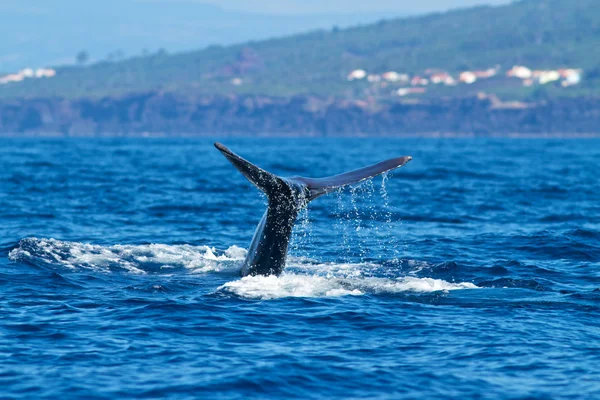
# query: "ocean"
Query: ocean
{"points": [[471, 272]]}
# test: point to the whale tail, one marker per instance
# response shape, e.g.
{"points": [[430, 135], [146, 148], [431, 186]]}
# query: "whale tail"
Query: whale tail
{"points": [[268, 250], [271, 184]]}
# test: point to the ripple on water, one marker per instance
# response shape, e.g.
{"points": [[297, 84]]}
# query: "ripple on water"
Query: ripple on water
{"points": [[473, 272]]}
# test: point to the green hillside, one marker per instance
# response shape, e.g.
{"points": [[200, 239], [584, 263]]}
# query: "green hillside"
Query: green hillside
{"points": [[536, 33]]}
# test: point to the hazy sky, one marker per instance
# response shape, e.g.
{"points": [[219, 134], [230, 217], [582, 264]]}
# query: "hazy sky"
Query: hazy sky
{"points": [[320, 6], [50, 32]]}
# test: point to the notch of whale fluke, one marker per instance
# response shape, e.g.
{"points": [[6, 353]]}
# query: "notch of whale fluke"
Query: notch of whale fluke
{"points": [[287, 196]]}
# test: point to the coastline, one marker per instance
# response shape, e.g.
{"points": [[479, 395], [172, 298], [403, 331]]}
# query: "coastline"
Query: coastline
{"points": [[160, 114]]}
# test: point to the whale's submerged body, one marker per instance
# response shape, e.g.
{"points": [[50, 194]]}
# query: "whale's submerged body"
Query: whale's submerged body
{"points": [[286, 197]]}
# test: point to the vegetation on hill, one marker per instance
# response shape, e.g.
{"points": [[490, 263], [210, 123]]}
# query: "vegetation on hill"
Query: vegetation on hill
{"points": [[535, 33]]}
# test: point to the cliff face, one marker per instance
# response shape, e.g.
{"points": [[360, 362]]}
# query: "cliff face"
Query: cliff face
{"points": [[176, 114]]}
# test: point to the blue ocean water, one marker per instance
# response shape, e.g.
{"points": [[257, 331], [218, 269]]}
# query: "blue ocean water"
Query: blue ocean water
{"points": [[472, 272]]}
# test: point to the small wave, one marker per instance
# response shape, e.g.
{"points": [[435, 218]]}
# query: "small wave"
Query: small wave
{"points": [[584, 234], [514, 283], [296, 285], [137, 259]]}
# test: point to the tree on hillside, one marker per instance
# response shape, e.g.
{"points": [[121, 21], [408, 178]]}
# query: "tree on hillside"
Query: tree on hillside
{"points": [[82, 57]]}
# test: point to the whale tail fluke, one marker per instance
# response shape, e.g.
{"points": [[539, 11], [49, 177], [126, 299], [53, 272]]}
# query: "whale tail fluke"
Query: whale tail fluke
{"points": [[287, 196], [269, 183], [265, 181], [321, 186]]}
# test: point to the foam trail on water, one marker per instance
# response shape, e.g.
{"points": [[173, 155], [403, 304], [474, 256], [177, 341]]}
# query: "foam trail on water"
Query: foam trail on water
{"points": [[303, 278], [296, 285], [286, 285], [137, 259]]}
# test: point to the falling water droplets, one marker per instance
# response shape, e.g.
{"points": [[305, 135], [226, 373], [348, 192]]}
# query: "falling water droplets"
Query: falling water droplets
{"points": [[302, 238], [389, 248], [363, 228], [342, 218], [301, 243]]}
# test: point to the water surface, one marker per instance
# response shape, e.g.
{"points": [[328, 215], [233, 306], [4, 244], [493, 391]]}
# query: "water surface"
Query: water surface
{"points": [[473, 271]]}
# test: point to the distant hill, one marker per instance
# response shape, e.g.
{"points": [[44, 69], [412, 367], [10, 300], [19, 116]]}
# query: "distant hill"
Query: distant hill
{"points": [[535, 33], [39, 33]]}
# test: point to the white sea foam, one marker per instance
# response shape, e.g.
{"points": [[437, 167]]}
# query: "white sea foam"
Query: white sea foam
{"points": [[296, 285], [286, 285], [330, 269], [303, 277], [138, 259]]}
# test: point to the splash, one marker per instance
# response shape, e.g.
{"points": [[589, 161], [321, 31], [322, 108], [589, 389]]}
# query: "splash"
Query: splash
{"points": [[299, 285], [309, 278], [341, 225], [390, 244], [302, 236], [365, 221], [304, 277], [287, 285], [136, 259]]}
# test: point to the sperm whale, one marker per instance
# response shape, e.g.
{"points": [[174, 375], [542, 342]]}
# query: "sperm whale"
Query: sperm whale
{"points": [[286, 198]]}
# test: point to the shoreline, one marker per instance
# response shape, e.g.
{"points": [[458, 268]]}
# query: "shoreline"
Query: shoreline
{"points": [[175, 115], [431, 135]]}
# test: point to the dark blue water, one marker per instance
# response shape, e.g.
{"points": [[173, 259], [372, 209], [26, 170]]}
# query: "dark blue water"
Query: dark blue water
{"points": [[473, 271]]}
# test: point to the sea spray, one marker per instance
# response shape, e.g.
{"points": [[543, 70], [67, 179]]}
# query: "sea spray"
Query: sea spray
{"points": [[391, 247], [301, 242], [363, 213], [307, 286], [342, 225], [136, 259]]}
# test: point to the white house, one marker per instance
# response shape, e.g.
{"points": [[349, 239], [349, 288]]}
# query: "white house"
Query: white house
{"points": [[519, 71], [467, 77], [357, 74]]}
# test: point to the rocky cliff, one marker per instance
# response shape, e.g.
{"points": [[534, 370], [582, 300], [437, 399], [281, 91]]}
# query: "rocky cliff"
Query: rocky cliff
{"points": [[178, 114]]}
